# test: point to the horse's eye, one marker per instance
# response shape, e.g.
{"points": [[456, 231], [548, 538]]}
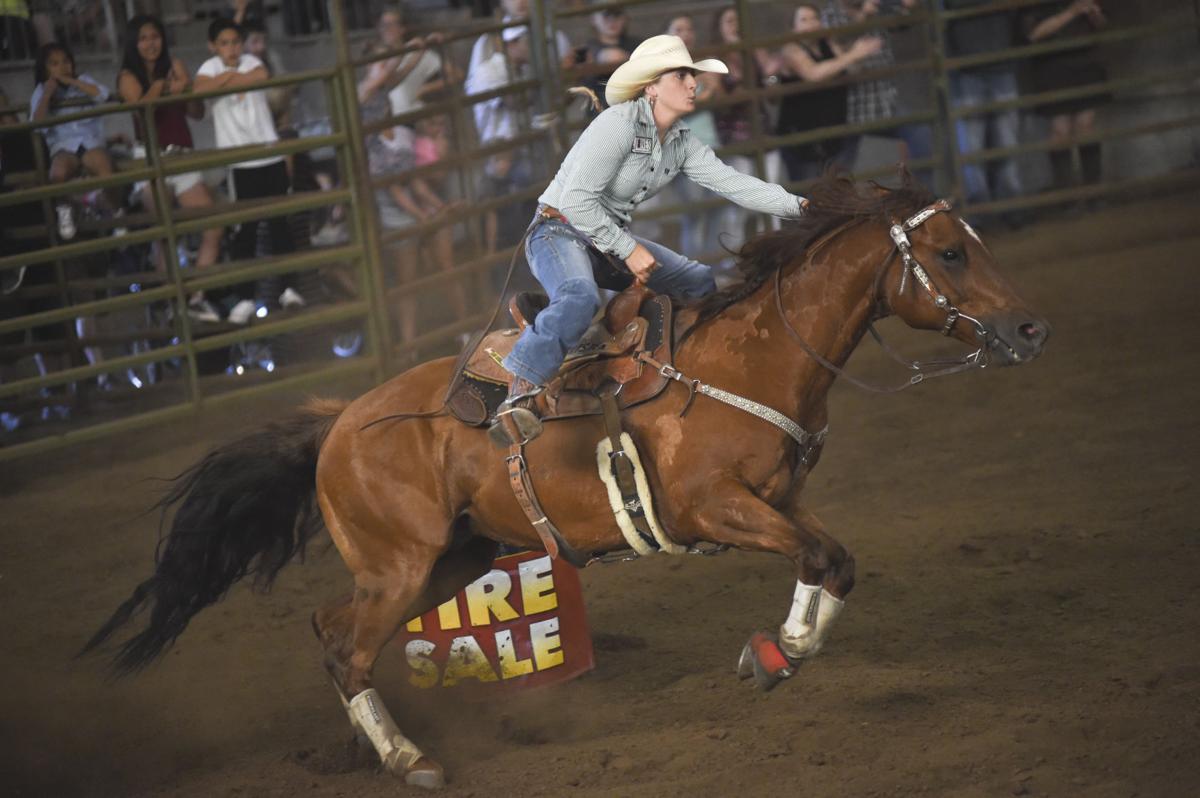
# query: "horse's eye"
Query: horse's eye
{"points": [[950, 256]]}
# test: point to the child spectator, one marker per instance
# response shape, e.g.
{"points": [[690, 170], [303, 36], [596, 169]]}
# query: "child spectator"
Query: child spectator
{"points": [[280, 99], [611, 45], [240, 120], [498, 119], [73, 146], [490, 43], [400, 85], [148, 71]]}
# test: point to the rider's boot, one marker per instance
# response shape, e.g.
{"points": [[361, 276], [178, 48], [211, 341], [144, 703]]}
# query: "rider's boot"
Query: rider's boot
{"points": [[517, 420]]}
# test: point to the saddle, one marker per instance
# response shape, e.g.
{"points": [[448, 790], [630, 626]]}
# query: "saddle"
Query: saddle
{"points": [[636, 323]]}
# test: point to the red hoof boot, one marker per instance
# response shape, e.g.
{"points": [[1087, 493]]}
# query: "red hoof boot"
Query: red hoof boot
{"points": [[425, 773], [762, 659]]}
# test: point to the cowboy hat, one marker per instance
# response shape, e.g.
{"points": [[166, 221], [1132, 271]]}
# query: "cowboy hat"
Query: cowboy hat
{"points": [[651, 58]]}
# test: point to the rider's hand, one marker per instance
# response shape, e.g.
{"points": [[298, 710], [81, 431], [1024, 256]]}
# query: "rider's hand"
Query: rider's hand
{"points": [[641, 263]]}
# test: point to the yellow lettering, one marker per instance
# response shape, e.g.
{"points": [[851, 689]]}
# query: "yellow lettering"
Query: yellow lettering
{"points": [[510, 666], [547, 648], [489, 593], [467, 661], [424, 670], [415, 625], [448, 616], [537, 586]]}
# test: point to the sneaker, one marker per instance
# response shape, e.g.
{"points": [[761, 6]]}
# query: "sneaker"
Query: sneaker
{"points": [[330, 235], [117, 232], [291, 298], [243, 311], [66, 222], [201, 310]]}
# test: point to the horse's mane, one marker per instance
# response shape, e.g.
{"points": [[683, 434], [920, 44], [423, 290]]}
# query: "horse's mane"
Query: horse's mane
{"points": [[833, 201]]}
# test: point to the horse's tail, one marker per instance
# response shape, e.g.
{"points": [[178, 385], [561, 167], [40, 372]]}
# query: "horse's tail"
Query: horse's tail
{"points": [[245, 509]]}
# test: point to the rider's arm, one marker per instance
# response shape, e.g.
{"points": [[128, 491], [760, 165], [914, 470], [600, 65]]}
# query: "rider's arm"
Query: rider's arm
{"points": [[597, 157], [706, 169]]}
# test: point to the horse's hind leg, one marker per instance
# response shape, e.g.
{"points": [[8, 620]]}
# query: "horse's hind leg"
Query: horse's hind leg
{"points": [[354, 630]]}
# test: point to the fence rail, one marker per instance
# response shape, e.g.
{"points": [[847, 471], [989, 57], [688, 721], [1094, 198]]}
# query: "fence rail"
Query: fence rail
{"points": [[379, 269]]}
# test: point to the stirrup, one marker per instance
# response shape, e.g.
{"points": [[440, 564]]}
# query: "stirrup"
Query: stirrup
{"points": [[516, 422], [514, 425]]}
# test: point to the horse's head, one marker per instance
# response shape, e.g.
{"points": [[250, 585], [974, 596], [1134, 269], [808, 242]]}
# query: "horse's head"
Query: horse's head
{"points": [[942, 277]]}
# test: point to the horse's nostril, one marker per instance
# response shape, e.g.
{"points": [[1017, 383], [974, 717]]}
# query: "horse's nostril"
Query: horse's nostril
{"points": [[1030, 332]]}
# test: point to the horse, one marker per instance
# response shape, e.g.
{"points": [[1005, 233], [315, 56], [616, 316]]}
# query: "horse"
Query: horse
{"points": [[417, 505]]}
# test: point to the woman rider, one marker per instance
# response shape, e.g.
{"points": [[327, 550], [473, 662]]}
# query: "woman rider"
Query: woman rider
{"points": [[623, 158]]}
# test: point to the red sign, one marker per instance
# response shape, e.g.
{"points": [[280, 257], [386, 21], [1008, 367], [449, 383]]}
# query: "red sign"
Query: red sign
{"points": [[520, 625]]}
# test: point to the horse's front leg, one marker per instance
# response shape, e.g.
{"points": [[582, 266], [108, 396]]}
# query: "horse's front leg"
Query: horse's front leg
{"points": [[798, 639], [732, 514]]}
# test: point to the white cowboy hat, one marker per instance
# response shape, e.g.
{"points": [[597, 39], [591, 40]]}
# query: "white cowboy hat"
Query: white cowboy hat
{"points": [[651, 58]]}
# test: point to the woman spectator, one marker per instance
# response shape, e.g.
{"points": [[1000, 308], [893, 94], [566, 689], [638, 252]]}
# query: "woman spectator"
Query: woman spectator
{"points": [[816, 61], [1070, 120], [735, 122], [147, 72], [394, 86], [698, 228], [74, 146]]}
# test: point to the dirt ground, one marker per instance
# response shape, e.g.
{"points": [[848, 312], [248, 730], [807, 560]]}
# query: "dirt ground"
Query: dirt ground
{"points": [[1024, 623]]}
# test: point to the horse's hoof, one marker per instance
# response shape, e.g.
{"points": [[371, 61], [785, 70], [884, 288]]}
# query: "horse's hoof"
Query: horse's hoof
{"points": [[745, 666], [425, 773], [767, 663]]}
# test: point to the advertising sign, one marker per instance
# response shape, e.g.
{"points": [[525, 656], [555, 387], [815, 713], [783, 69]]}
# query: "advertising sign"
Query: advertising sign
{"points": [[520, 625]]}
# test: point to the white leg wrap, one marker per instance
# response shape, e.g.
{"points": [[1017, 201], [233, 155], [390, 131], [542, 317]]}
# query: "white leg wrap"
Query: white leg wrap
{"points": [[814, 610], [369, 714]]}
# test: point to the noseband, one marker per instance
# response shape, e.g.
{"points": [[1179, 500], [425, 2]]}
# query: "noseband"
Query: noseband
{"points": [[902, 245]]}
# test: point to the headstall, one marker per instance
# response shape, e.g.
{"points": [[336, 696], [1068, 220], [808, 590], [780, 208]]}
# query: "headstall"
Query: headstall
{"points": [[942, 367]]}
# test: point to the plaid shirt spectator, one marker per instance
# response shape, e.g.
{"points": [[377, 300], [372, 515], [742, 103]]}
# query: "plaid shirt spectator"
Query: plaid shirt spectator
{"points": [[870, 100]]}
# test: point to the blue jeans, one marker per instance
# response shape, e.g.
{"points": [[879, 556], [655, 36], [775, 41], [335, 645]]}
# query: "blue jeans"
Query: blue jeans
{"points": [[561, 260], [975, 87]]}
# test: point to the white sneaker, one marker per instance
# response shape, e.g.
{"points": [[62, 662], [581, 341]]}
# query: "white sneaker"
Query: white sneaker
{"points": [[203, 311], [330, 235], [291, 298], [243, 311], [117, 232], [66, 222]]}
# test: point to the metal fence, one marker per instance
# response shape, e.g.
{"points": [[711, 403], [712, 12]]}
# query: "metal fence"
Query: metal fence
{"points": [[406, 301]]}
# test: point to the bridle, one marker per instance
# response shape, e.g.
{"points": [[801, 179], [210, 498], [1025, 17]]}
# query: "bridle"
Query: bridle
{"points": [[903, 246]]}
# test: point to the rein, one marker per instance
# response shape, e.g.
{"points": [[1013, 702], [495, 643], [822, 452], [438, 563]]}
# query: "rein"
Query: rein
{"points": [[902, 245]]}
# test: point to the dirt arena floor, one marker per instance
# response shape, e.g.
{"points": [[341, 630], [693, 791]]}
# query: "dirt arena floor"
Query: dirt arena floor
{"points": [[1025, 621]]}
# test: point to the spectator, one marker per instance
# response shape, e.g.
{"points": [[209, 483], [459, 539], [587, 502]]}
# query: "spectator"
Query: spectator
{"points": [[16, 31], [610, 46], [816, 61], [699, 228], [499, 119], [399, 85], [280, 99], [240, 120], [869, 100], [735, 122], [147, 72], [1070, 120], [995, 82], [73, 146], [518, 10]]}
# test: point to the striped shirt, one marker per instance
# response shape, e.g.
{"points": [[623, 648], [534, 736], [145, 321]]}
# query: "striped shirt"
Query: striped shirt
{"points": [[618, 163]]}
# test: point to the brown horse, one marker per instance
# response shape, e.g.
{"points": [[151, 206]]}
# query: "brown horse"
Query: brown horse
{"points": [[416, 507]]}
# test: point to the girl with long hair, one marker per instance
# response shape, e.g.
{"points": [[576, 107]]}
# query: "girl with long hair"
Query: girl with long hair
{"points": [[148, 72]]}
